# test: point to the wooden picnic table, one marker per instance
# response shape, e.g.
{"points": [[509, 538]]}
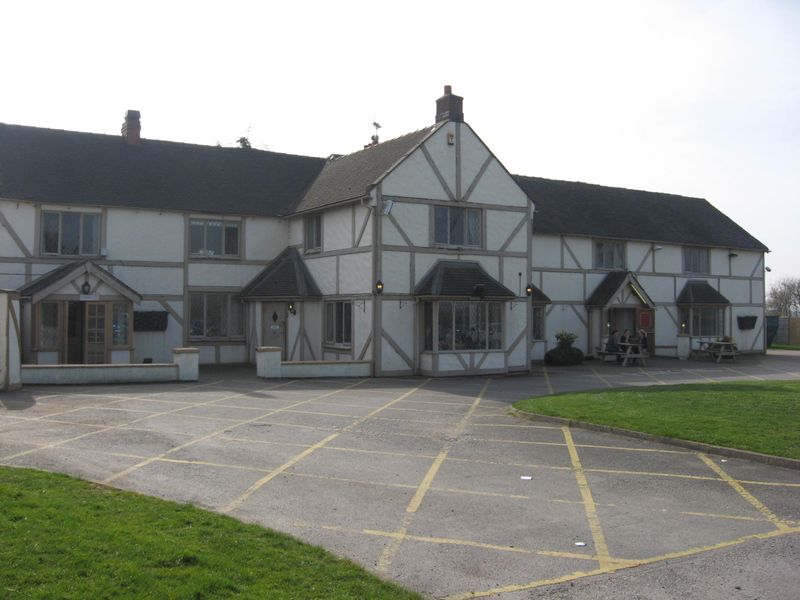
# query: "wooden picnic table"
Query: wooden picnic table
{"points": [[720, 349], [631, 351]]}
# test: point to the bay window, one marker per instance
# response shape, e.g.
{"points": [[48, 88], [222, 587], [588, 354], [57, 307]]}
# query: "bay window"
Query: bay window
{"points": [[215, 315], [702, 321], [463, 325]]}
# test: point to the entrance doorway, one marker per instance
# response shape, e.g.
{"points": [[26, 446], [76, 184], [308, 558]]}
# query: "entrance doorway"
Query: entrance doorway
{"points": [[274, 326], [75, 323], [86, 339]]}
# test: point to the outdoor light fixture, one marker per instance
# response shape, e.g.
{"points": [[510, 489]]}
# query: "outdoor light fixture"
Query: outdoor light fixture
{"points": [[379, 287], [657, 248], [732, 255], [768, 270], [291, 308], [683, 327], [529, 290], [86, 288]]}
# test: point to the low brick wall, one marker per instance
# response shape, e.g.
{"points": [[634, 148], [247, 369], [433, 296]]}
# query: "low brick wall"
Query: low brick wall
{"points": [[270, 366], [92, 374]]}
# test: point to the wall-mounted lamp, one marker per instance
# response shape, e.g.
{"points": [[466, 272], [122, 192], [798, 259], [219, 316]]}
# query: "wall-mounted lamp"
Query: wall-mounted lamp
{"points": [[732, 255], [768, 270], [657, 248], [529, 290], [292, 310], [86, 288], [379, 287], [683, 327]]}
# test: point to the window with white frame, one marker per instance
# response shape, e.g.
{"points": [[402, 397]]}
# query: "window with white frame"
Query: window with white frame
{"points": [[70, 233], [49, 333], [463, 325], [695, 261], [313, 233], [609, 254], [702, 321], [214, 238], [538, 322], [457, 226], [339, 324], [215, 315]]}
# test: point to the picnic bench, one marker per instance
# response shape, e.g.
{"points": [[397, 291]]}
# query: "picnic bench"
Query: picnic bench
{"points": [[628, 351], [718, 350]]}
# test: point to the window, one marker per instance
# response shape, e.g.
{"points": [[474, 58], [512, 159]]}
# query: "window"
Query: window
{"points": [[464, 325], [49, 330], [209, 237], [313, 233], [703, 321], [120, 323], [455, 226], [609, 254], [213, 315], [538, 322], [695, 260], [338, 323], [70, 233]]}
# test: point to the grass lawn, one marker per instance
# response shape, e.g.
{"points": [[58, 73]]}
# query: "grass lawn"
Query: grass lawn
{"points": [[763, 416], [784, 347], [65, 538]]}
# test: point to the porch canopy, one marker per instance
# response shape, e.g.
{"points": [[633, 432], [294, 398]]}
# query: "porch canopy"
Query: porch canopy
{"points": [[700, 292], [539, 297], [51, 282], [461, 279], [616, 289], [285, 278]]}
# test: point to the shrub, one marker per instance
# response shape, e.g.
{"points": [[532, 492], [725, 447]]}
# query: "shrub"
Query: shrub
{"points": [[564, 354]]}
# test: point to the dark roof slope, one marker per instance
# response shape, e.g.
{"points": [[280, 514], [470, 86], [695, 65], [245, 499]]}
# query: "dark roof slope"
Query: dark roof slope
{"points": [[606, 288], [64, 167], [349, 177], [461, 279], [29, 289], [539, 297], [566, 207], [285, 277], [700, 292]]}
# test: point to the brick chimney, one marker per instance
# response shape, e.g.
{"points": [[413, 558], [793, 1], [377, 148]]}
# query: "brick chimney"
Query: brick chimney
{"points": [[132, 128], [449, 107]]}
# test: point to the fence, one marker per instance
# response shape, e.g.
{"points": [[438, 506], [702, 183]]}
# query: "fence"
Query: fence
{"points": [[788, 332]]}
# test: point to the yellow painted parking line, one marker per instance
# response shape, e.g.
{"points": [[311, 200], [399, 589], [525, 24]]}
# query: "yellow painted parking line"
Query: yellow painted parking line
{"points": [[423, 410], [623, 564], [651, 376], [307, 452], [380, 452], [251, 441], [601, 378], [391, 549], [547, 381], [575, 555], [770, 483], [698, 373], [512, 425], [107, 428], [629, 449], [348, 480], [604, 558], [752, 500], [719, 516], [653, 474], [738, 372]]}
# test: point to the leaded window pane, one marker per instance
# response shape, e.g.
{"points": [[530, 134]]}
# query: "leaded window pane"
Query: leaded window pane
{"points": [[48, 325], [456, 226], [495, 326], [90, 241], [197, 314], [197, 233], [330, 323], [348, 318], [445, 326], [214, 238], [216, 322], [473, 228], [427, 325], [231, 239], [441, 225], [70, 233], [50, 232], [120, 324], [538, 323], [236, 321]]}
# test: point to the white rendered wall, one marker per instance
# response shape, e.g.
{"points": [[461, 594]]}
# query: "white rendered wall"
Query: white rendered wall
{"points": [[264, 238], [337, 228], [208, 274], [21, 216], [355, 273], [144, 235], [398, 324]]}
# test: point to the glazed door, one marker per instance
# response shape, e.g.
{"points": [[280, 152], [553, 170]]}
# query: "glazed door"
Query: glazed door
{"points": [[95, 340]]}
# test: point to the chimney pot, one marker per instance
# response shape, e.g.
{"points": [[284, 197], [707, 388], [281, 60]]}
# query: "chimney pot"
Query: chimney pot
{"points": [[132, 128], [449, 107]]}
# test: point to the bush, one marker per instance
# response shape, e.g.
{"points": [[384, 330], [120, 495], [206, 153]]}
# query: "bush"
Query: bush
{"points": [[564, 354]]}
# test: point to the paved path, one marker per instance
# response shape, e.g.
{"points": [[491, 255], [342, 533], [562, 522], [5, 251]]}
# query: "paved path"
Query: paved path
{"points": [[431, 482]]}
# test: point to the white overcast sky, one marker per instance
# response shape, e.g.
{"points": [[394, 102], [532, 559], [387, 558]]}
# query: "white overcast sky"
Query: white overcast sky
{"points": [[700, 98]]}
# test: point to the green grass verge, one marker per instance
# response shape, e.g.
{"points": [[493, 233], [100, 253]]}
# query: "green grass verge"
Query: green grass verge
{"points": [[784, 347], [761, 416], [65, 538]]}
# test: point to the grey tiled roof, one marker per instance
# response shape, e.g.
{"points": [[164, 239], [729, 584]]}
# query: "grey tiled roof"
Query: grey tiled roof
{"points": [[539, 297], [66, 167], [700, 292], [29, 289], [567, 207], [285, 277], [459, 279], [349, 177], [605, 290]]}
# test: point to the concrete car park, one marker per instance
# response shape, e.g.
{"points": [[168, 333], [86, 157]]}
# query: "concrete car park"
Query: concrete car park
{"points": [[431, 482]]}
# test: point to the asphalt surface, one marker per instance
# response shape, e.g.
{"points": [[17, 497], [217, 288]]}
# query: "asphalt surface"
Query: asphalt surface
{"points": [[432, 483]]}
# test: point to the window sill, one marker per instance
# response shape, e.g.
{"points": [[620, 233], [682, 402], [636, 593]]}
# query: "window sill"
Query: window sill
{"points": [[337, 348], [471, 351], [312, 251], [215, 257], [462, 248]]}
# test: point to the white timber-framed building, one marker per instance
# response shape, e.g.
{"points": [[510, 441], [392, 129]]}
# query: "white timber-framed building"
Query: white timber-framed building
{"points": [[421, 254]]}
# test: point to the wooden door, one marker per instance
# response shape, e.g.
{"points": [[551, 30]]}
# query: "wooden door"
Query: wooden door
{"points": [[96, 342]]}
